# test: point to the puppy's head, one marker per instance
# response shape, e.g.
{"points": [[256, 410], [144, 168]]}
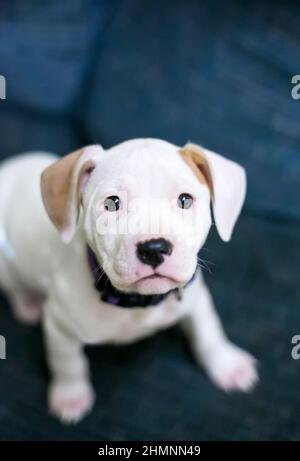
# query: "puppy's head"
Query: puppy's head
{"points": [[144, 207]]}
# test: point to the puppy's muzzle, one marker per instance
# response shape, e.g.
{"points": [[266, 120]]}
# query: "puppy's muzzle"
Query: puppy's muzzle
{"points": [[153, 252]]}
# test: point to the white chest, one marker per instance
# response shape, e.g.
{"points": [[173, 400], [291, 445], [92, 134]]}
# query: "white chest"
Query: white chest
{"points": [[120, 325]]}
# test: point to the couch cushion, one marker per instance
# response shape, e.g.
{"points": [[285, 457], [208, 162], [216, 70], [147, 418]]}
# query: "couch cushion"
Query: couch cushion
{"points": [[46, 50], [217, 73], [153, 389]]}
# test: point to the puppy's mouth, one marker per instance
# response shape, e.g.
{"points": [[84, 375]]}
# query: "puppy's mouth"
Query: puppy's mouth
{"points": [[155, 283], [157, 276]]}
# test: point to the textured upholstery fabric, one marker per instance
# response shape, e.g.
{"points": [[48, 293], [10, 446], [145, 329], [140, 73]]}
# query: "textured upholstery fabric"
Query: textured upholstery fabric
{"points": [[85, 71], [153, 389], [212, 72]]}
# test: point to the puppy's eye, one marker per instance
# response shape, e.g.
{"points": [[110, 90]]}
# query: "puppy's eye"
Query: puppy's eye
{"points": [[185, 201], [112, 203]]}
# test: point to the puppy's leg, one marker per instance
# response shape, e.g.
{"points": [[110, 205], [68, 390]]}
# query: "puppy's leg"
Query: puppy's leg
{"points": [[229, 367], [70, 395], [26, 306]]}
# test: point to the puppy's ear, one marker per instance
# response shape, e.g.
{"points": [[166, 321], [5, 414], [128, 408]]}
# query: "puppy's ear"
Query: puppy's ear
{"points": [[226, 181], [62, 184]]}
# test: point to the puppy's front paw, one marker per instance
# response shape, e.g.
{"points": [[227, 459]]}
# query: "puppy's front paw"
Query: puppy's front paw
{"points": [[70, 402], [231, 368]]}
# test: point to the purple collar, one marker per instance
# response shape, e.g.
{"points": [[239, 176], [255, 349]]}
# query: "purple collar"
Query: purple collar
{"points": [[109, 294]]}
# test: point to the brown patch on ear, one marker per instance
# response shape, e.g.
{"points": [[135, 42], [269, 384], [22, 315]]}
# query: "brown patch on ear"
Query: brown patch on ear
{"points": [[195, 158], [61, 196]]}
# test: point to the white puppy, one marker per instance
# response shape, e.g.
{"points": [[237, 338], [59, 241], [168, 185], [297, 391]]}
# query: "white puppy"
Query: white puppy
{"points": [[133, 216]]}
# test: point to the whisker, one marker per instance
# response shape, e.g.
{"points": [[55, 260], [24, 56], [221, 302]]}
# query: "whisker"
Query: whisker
{"points": [[100, 276], [203, 264], [97, 269], [206, 261]]}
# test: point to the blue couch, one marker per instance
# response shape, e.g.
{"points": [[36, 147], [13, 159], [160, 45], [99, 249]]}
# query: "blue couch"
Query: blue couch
{"points": [[216, 73]]}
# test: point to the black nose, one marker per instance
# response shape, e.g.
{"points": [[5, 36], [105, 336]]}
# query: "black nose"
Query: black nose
{"points": [[152, 252]]}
